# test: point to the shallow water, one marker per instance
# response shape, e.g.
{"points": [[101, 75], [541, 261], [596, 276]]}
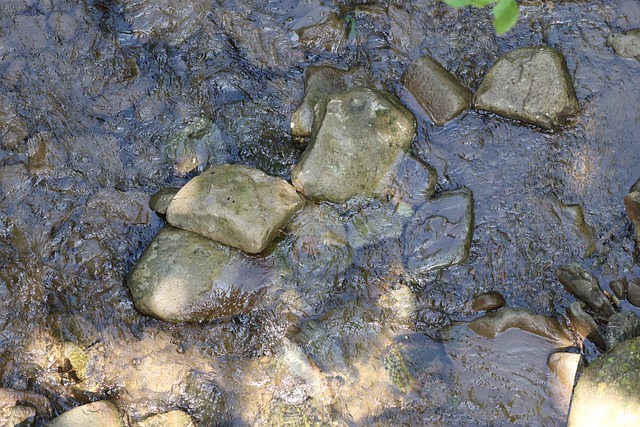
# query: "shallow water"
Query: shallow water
{"points": [[90, 93]]}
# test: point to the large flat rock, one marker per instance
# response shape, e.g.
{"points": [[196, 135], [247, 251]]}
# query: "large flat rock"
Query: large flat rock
{"points": [[360, 136], [235, 205], [531, 84], [185, 277]]}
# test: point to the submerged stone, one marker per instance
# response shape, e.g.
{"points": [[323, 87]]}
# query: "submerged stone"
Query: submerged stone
{"points": [[585, 325], [607, 391], [102, 413], [619, 288], [496, 322], [235, 205], [626, 45], [160, 201], [581, 284], [531, 84], [632, 205], [437, 91], [192, 146], [360, 136], [439, 234], [412, 181], [319, 82], [185, 277]]}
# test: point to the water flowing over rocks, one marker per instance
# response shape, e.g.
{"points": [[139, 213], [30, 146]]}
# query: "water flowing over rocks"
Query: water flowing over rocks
{"points": [[319, 82], [354, 128], [607, 391], [581, 284], [531, 84], [632, 205], [495, 322], [192, 146], [235, 205], [626, 45], [101, 413], [439, 234], [437, 91], [185, 277]]}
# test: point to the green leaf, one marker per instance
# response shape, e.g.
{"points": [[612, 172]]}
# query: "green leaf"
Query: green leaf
{"points": [[481, 3], [505, 15], [458, 3]]}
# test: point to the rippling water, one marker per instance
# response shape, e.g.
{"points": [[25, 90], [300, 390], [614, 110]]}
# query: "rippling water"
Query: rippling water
{"points": [[92, 90]]}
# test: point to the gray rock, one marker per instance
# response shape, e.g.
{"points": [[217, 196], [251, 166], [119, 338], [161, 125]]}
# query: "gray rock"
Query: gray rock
{"points": [[530, 84], [491, 324], [619, 288], [184, 277], [439, 234], [585, 325], [102, 413], [319, 82], [626, 45], [632, 205], [488, 301], [361, 134], [621, 327], [235, 205], [566, 365], [191, 147], [377, 222], [328, 35], [413, 181], [607, 391], [440, 93], [160, 201], [578, 282], [633, 292], [168, 419]]}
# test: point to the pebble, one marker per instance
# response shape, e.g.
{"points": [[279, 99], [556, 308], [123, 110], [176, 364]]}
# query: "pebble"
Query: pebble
{"points": [[619, 288], [488, 301]]}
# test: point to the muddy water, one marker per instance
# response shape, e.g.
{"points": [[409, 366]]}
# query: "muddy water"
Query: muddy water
{"points": [[91, 91]]}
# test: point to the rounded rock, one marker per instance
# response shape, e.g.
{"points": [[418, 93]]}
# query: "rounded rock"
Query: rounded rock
{"points": [[488, 301], [633, 292], [619, 288]]}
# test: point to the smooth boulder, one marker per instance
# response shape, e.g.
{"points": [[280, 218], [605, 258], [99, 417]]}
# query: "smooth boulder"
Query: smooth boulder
{"points": [[531, 84], [236, 205], [102, 413], [438, 92], [607, 391], [185, 277], [439, 234], [360, 136]]}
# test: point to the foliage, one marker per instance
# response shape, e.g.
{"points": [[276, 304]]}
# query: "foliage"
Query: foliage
{"points": [[505, 12]]}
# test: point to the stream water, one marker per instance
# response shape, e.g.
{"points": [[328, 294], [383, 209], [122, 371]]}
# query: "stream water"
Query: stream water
{"points": [[92, 90]]}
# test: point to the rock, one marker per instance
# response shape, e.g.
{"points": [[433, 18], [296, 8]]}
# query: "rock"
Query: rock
{"points": [[578, 282], [184, 277], [626, 45], [235, 205], [396, 368], [13, 404], [102, 413], [328, 35], [531, 84], [21, 416], [413, 181], [360, 136], [437, 91], [192, 146], [377, 222], [622, 327], [439, 234], [619, 288], [607, 391], [488, 301], [632, 205], [206, 399], [113, 205], [323, 347], [566, 365], [319, 82], [491, 324], [585, 325], [160, 201], [633, 292], [168, 419]]}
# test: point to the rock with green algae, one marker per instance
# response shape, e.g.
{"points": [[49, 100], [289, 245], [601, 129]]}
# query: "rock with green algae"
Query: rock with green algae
{"points": [[607, 391]]}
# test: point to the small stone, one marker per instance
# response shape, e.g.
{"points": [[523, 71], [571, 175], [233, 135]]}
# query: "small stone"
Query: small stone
{"points": [[626, 45], [633, 292], [236, 205], [566, 365], [578, 282], [619, 288], [102, 413], [585, 325], [160, 201], [531, 84], [622, 327], [488, 301], [437, 91]]}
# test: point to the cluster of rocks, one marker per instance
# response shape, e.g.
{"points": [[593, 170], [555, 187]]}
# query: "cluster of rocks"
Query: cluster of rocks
{"points": [[627, 44]]}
